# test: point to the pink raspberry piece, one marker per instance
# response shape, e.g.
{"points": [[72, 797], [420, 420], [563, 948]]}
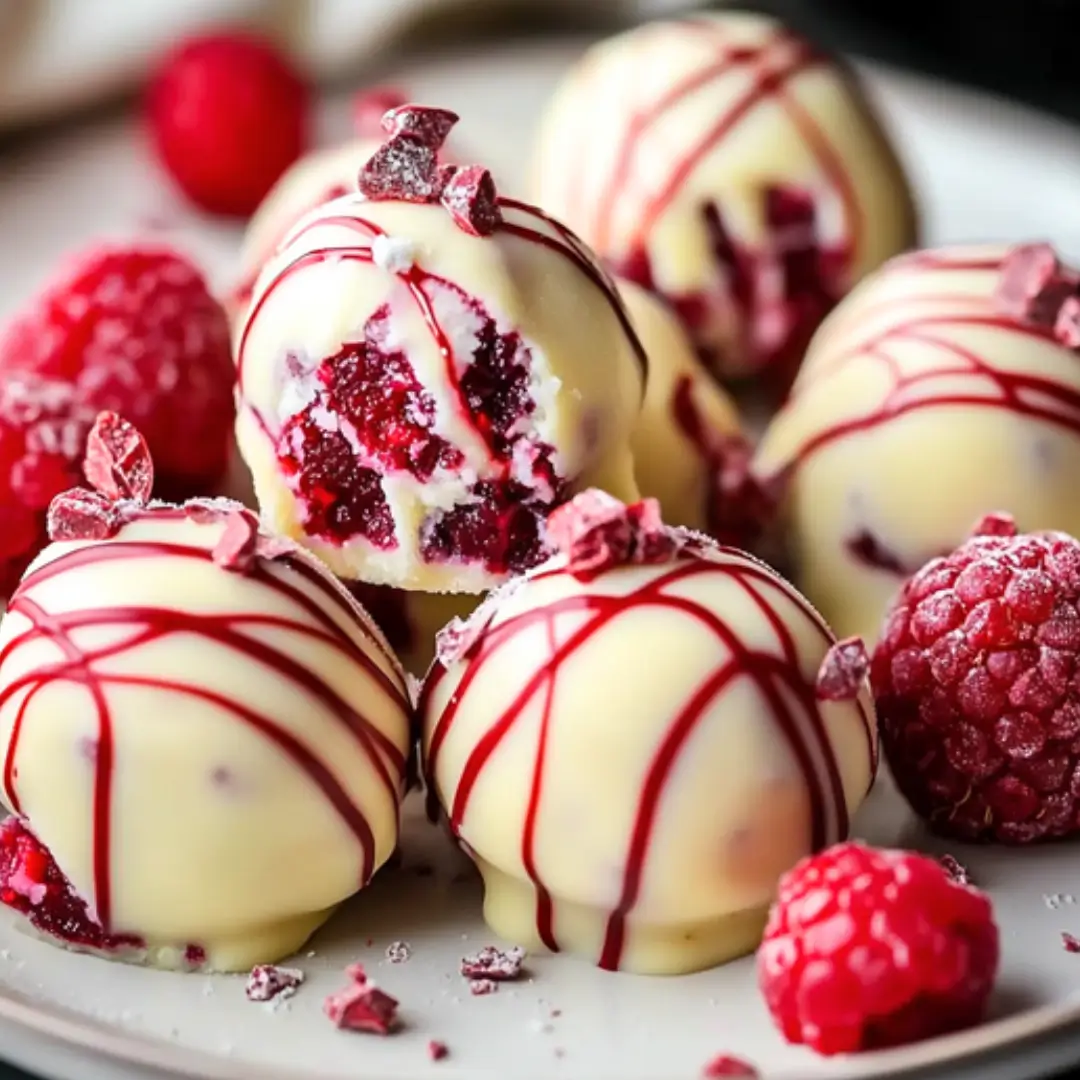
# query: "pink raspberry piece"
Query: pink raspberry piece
{"points": [[424, 123], [82, 515], [728, 1065], [267, 982], [470, 197], [236, 547], [118, 462], [502, 965], [843, 671]]}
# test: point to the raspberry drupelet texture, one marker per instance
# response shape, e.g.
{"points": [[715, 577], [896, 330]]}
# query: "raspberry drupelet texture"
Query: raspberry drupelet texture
{"points": [[977, 683], [228, 114], [866, 949], [135, 330]]}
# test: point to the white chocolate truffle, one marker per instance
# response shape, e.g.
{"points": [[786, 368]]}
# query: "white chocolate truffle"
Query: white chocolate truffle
{"points": [[204, 762], [633, 753], [685, 420], [416, 392], [316, 178], [723, 161], [922, 406]]}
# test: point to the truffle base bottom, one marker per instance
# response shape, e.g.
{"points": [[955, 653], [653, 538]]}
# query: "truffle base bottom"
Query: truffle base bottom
{"points": [[511, 909]]}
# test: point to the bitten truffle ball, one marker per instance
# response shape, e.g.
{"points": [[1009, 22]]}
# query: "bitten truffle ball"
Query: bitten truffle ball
{"points": [[634, 740]]}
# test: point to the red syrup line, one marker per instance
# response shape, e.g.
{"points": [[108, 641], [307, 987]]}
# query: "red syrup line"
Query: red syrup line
{"points": [[544, 908], [768, 673], [571, 247], [79, 667]]}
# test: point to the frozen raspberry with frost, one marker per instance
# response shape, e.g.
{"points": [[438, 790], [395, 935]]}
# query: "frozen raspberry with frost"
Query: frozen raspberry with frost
{"points": [[228, 114], [867, 949], [977, 683], [134, 330], [43, 430]]}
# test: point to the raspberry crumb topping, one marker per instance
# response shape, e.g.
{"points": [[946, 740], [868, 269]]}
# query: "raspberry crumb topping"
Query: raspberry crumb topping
{"points": [[135, 330], [236, 549], [843, 671], [32, 884], [502, 965], [361, 1006], [866, 949], [482, 987], [268, 982], [976, 677], [727, 1065], [955, 869], [228, 114], [398, 952], [1070, 943], [437, 1050], [595, 531], [1036, 288], [118, 462]]}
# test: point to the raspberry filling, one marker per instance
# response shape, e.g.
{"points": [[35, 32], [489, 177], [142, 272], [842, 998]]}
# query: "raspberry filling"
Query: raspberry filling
{"points": [[365, 415], [32, 884], [779, 292]]}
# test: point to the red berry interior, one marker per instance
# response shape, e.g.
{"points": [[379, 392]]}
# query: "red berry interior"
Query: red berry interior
{"points": [[775, 329], [32, 883], [371, 417]]}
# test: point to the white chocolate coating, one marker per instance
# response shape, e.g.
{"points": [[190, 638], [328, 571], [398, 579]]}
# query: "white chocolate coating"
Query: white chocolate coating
{"points": [[630, 744], [352, 259], [654, 125], [920, 408], [314, 179], [683, 417], [247, 746]]}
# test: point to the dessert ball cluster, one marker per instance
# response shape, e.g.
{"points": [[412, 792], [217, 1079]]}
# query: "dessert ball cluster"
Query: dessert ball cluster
{"points": [[186, 703], [936, 393], [753, 748], [731, 166]]}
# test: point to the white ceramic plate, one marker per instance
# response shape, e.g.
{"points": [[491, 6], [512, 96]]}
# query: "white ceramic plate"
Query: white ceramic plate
{"points": [[985, 170]]}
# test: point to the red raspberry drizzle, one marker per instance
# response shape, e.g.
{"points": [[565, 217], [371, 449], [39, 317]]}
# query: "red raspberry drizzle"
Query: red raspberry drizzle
{"points": [[790, 697], [815, 276], [499, 523], [85, 666]]}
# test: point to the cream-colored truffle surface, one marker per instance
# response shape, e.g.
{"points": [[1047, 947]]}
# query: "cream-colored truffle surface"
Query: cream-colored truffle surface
{"points": [[683, 420], [657, 123], [632, 760], [352, 258], [213, 758], [920, 408]]}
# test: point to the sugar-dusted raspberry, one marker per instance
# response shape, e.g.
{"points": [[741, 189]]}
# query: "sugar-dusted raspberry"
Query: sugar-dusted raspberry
{"points": [[43, 430], [977, 683], [866, 949], [134, 330], [228, 114]]}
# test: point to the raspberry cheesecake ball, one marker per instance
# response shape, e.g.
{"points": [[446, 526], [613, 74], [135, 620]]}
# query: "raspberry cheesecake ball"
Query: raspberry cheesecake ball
{"points": [[134, 329], [426, 368], [723, 161], [735, 735], [938, 392], [868, 949], [690, 453], [203, 739], [976, 677]]}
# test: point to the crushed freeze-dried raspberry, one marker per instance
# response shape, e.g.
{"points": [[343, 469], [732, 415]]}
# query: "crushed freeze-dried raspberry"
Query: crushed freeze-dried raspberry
{"points": [[83, 515], [437, 1050], [596, 531], [866, 949], [267, 982], [728, 1065], [1033, 284], [1070, 943], [236, 547], [398, 952], [482, 987], [955, 869], [118, 462], [502, 965], [470, 197], [424, 123], [844, 670], [402, 168], [371, 105], [362, 1007], [1067, 323], [996, 524]]}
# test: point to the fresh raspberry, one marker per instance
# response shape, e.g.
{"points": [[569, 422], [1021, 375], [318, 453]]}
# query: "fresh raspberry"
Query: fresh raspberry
{"points": [[866, 949], [135, 331], [228, 114], [977, 683], [43, 431]]}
